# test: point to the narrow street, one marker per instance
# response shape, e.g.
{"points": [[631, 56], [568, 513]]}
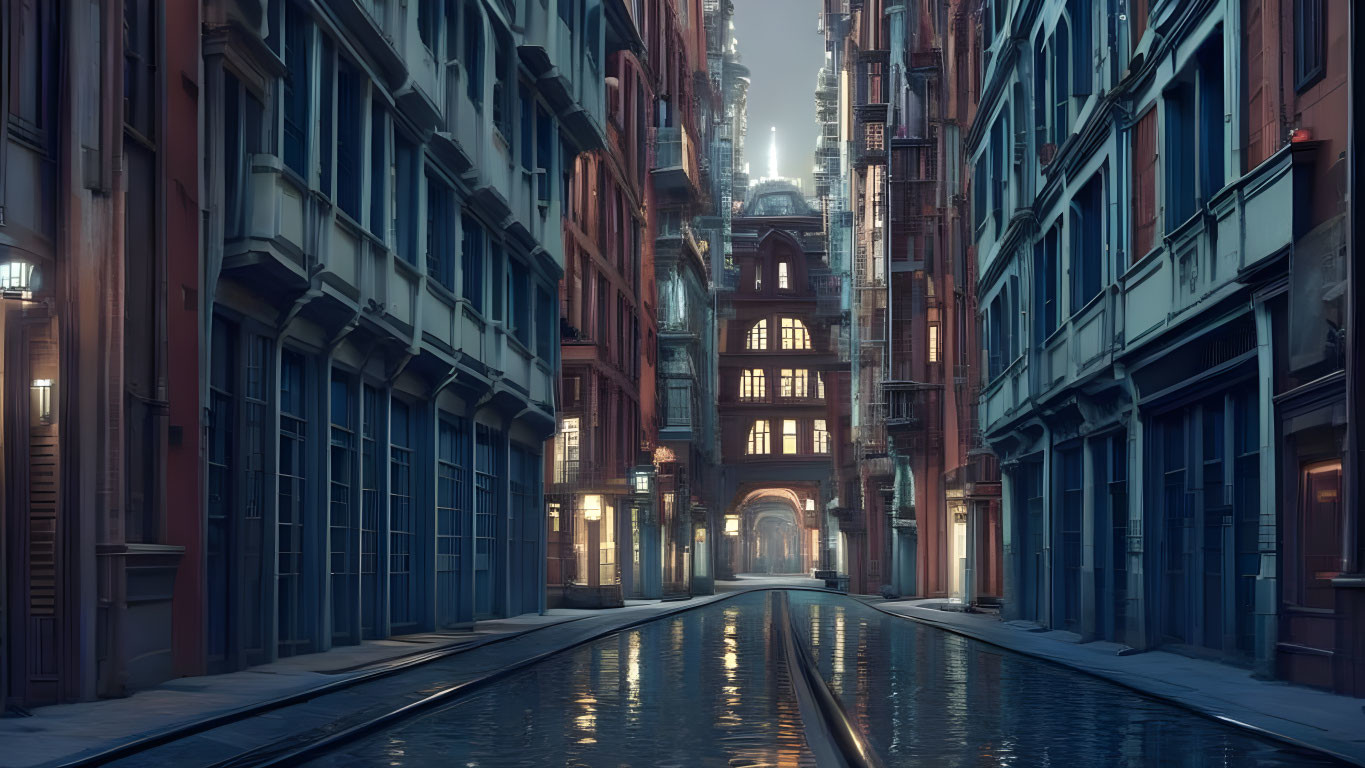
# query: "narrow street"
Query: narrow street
{"points": [[695, 383]]}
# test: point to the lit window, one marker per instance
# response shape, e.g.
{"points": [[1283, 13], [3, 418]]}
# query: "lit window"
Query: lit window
{"points": [[758, 277], [758, 336], [783, 280], [794, 334], [789, 436], [794, 382], [821, 437], [820, 385], [753, 384], [759, 437], [567, 450], [933, 343]]}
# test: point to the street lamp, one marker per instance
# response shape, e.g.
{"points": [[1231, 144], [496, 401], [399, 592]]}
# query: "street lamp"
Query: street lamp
{"points": [[641, 478]]}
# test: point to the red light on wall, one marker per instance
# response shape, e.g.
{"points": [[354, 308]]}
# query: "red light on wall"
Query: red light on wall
{"points": [[1300, 135]]}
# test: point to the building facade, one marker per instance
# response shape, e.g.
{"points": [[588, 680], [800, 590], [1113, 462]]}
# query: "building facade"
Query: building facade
{"points": [[101, 550], [603, 531], [778, 342], [385, 235], [1160, 215], [681, 191]]}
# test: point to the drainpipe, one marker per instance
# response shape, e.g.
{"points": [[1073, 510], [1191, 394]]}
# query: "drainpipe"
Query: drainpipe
{"points": [[1136, 631]]}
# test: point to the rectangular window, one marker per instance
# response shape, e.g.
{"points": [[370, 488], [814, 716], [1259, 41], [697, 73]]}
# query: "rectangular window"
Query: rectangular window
{"points": [[473, 54], [1045, 287], [519, 302], [496, 283], [794, 382], [471, 257], [406, 159], [350, 101], [428, 22], [487, 509], [933, 343], [341, 509], [759, 437], [327, 112], [1082, 43], [1309, 57], [1061, 85], [402, 516], [567, 450], [783, 279], [545, 324], [296, 89], [371, 507], [450, 494], [440, 238], [1087, 243], [1144, 185], [545, 147], [379, 164], [753, 384], [820, 385], [502, 108], [528, 127], [292, 505], [789, 436], [794, 334], [821, 436]]}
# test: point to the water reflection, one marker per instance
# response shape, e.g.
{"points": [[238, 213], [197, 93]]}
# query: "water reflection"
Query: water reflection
{"points": [[707, 687], [928, 698]]}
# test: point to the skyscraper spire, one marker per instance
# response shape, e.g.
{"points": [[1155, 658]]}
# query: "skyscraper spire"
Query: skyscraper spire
{"points": [[772, 155]]}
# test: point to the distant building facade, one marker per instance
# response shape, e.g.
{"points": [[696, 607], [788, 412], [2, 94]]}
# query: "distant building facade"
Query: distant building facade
{"points": [[778, 342]]}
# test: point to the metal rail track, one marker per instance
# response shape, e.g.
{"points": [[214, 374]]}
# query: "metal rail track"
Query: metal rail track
{"points": [[294, 750], [830, 733]]}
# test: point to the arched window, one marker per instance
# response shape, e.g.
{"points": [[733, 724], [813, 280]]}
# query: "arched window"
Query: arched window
{"points": [[758, 336], [794, 334], [759, 438], [753, 384]]}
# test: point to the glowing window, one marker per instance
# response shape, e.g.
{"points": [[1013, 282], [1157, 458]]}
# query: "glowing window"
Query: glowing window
{"points": [[753, 384], [758, 438], [794, 334], [820, 385], [933, 343], [789, 436], [758, 336], [821, 437], [794, 382], [783, 279]]}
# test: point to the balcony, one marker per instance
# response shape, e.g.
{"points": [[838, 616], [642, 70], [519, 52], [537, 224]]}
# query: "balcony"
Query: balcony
{"points": [[905, 405], [675, 167]]}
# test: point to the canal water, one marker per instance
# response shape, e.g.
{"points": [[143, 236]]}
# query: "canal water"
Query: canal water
{"points": [[709, 687]]}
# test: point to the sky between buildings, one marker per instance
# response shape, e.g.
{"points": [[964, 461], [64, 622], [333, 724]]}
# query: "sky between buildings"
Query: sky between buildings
{"points": [[779, 44]]}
